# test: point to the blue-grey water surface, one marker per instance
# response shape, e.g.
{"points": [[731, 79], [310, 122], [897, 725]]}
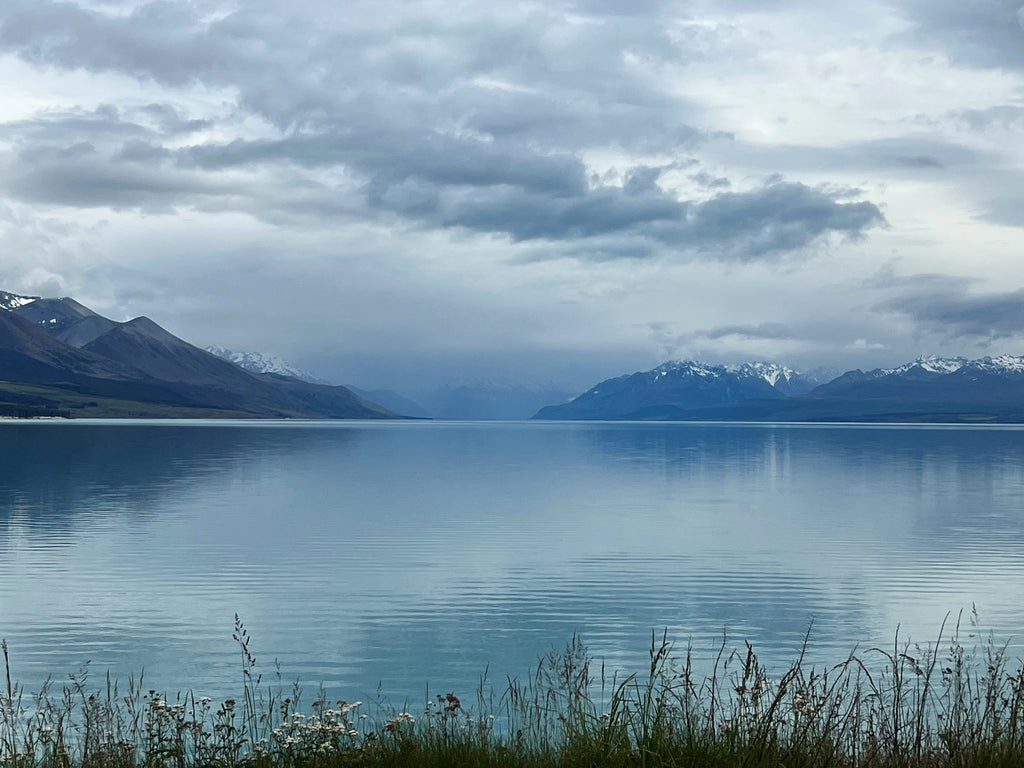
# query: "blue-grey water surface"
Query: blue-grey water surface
{"points": [[409, 555]]}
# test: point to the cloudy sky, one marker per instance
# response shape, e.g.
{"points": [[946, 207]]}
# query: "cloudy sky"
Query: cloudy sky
{"points": [[557, 191]]}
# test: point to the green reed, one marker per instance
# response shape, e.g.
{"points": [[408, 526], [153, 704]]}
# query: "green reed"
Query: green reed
{"points": [[908, 706]]}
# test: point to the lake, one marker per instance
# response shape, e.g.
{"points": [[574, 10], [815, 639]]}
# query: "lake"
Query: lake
{"points": [[411, 557]]}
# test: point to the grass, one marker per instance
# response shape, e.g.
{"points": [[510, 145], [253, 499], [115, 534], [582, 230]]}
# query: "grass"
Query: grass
{"points": [[908, 706]]}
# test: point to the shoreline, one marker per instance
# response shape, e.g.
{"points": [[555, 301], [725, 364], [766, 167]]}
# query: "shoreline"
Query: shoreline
{"points": [[911, 706]]}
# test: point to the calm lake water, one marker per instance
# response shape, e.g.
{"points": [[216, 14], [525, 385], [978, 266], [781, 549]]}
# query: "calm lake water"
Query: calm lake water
{"points": [[416, 555]]}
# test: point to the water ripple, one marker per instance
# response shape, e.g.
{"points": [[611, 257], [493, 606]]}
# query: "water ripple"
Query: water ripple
{"points": [[402, 555]]}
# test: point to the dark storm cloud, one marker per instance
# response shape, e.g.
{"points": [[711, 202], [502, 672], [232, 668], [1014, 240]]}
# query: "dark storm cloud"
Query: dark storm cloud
{"points": [[389, 156], [438, 180], [101, 157], [475, 121], [81, 176], [781, 217], [944, 306], [453, 181], [529, 74]]}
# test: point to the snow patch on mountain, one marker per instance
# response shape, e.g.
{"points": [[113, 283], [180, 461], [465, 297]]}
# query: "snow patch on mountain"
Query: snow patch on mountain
{"points": [[928, 364], [686, 367], [1001, 364], [10, 301], [772, 373], [263, 362]]}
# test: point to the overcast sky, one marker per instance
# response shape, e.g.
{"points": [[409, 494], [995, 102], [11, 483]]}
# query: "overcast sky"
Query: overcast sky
{"points": [[559, 191]]}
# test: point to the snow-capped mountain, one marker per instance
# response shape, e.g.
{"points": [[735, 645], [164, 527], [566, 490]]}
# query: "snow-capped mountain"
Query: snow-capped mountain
{"points": [[773, 373], [1005, 365], [933, 389], [932, 367], [923, 365], [263, 362], [678, 386], [13, 301]]}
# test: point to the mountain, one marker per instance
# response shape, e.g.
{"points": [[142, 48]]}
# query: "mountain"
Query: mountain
{"points": [[58, 356], [929, 389], [12, 300], [43, 374], [53, 314], [279, 370], [930, 377], [393, 401], [263, 362], [65, 319], [676, 387], [983, 389], [28, 352]]}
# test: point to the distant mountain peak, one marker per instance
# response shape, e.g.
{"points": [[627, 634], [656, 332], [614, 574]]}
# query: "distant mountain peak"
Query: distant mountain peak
{"points": [[1000, 363], [263, 362], [774, 374], [11, 301], [933, 364], [676, 386], [685, 367], [928, 364]]}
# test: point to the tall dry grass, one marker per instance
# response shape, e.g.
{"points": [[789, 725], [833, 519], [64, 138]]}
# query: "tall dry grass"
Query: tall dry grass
{"points": [[944, 703]]}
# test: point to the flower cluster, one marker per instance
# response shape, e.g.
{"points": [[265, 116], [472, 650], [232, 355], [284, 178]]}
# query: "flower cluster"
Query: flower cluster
{"points": [[397, 721], [808, 706], [330, 730]]}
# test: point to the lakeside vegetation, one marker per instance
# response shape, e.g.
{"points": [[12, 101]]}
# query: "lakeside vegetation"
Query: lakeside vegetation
{"points": [[943, 703]]}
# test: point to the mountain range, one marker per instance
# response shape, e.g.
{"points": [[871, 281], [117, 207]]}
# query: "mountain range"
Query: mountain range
{"points": [[929, 389], [58, 357], [681, 385]]}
